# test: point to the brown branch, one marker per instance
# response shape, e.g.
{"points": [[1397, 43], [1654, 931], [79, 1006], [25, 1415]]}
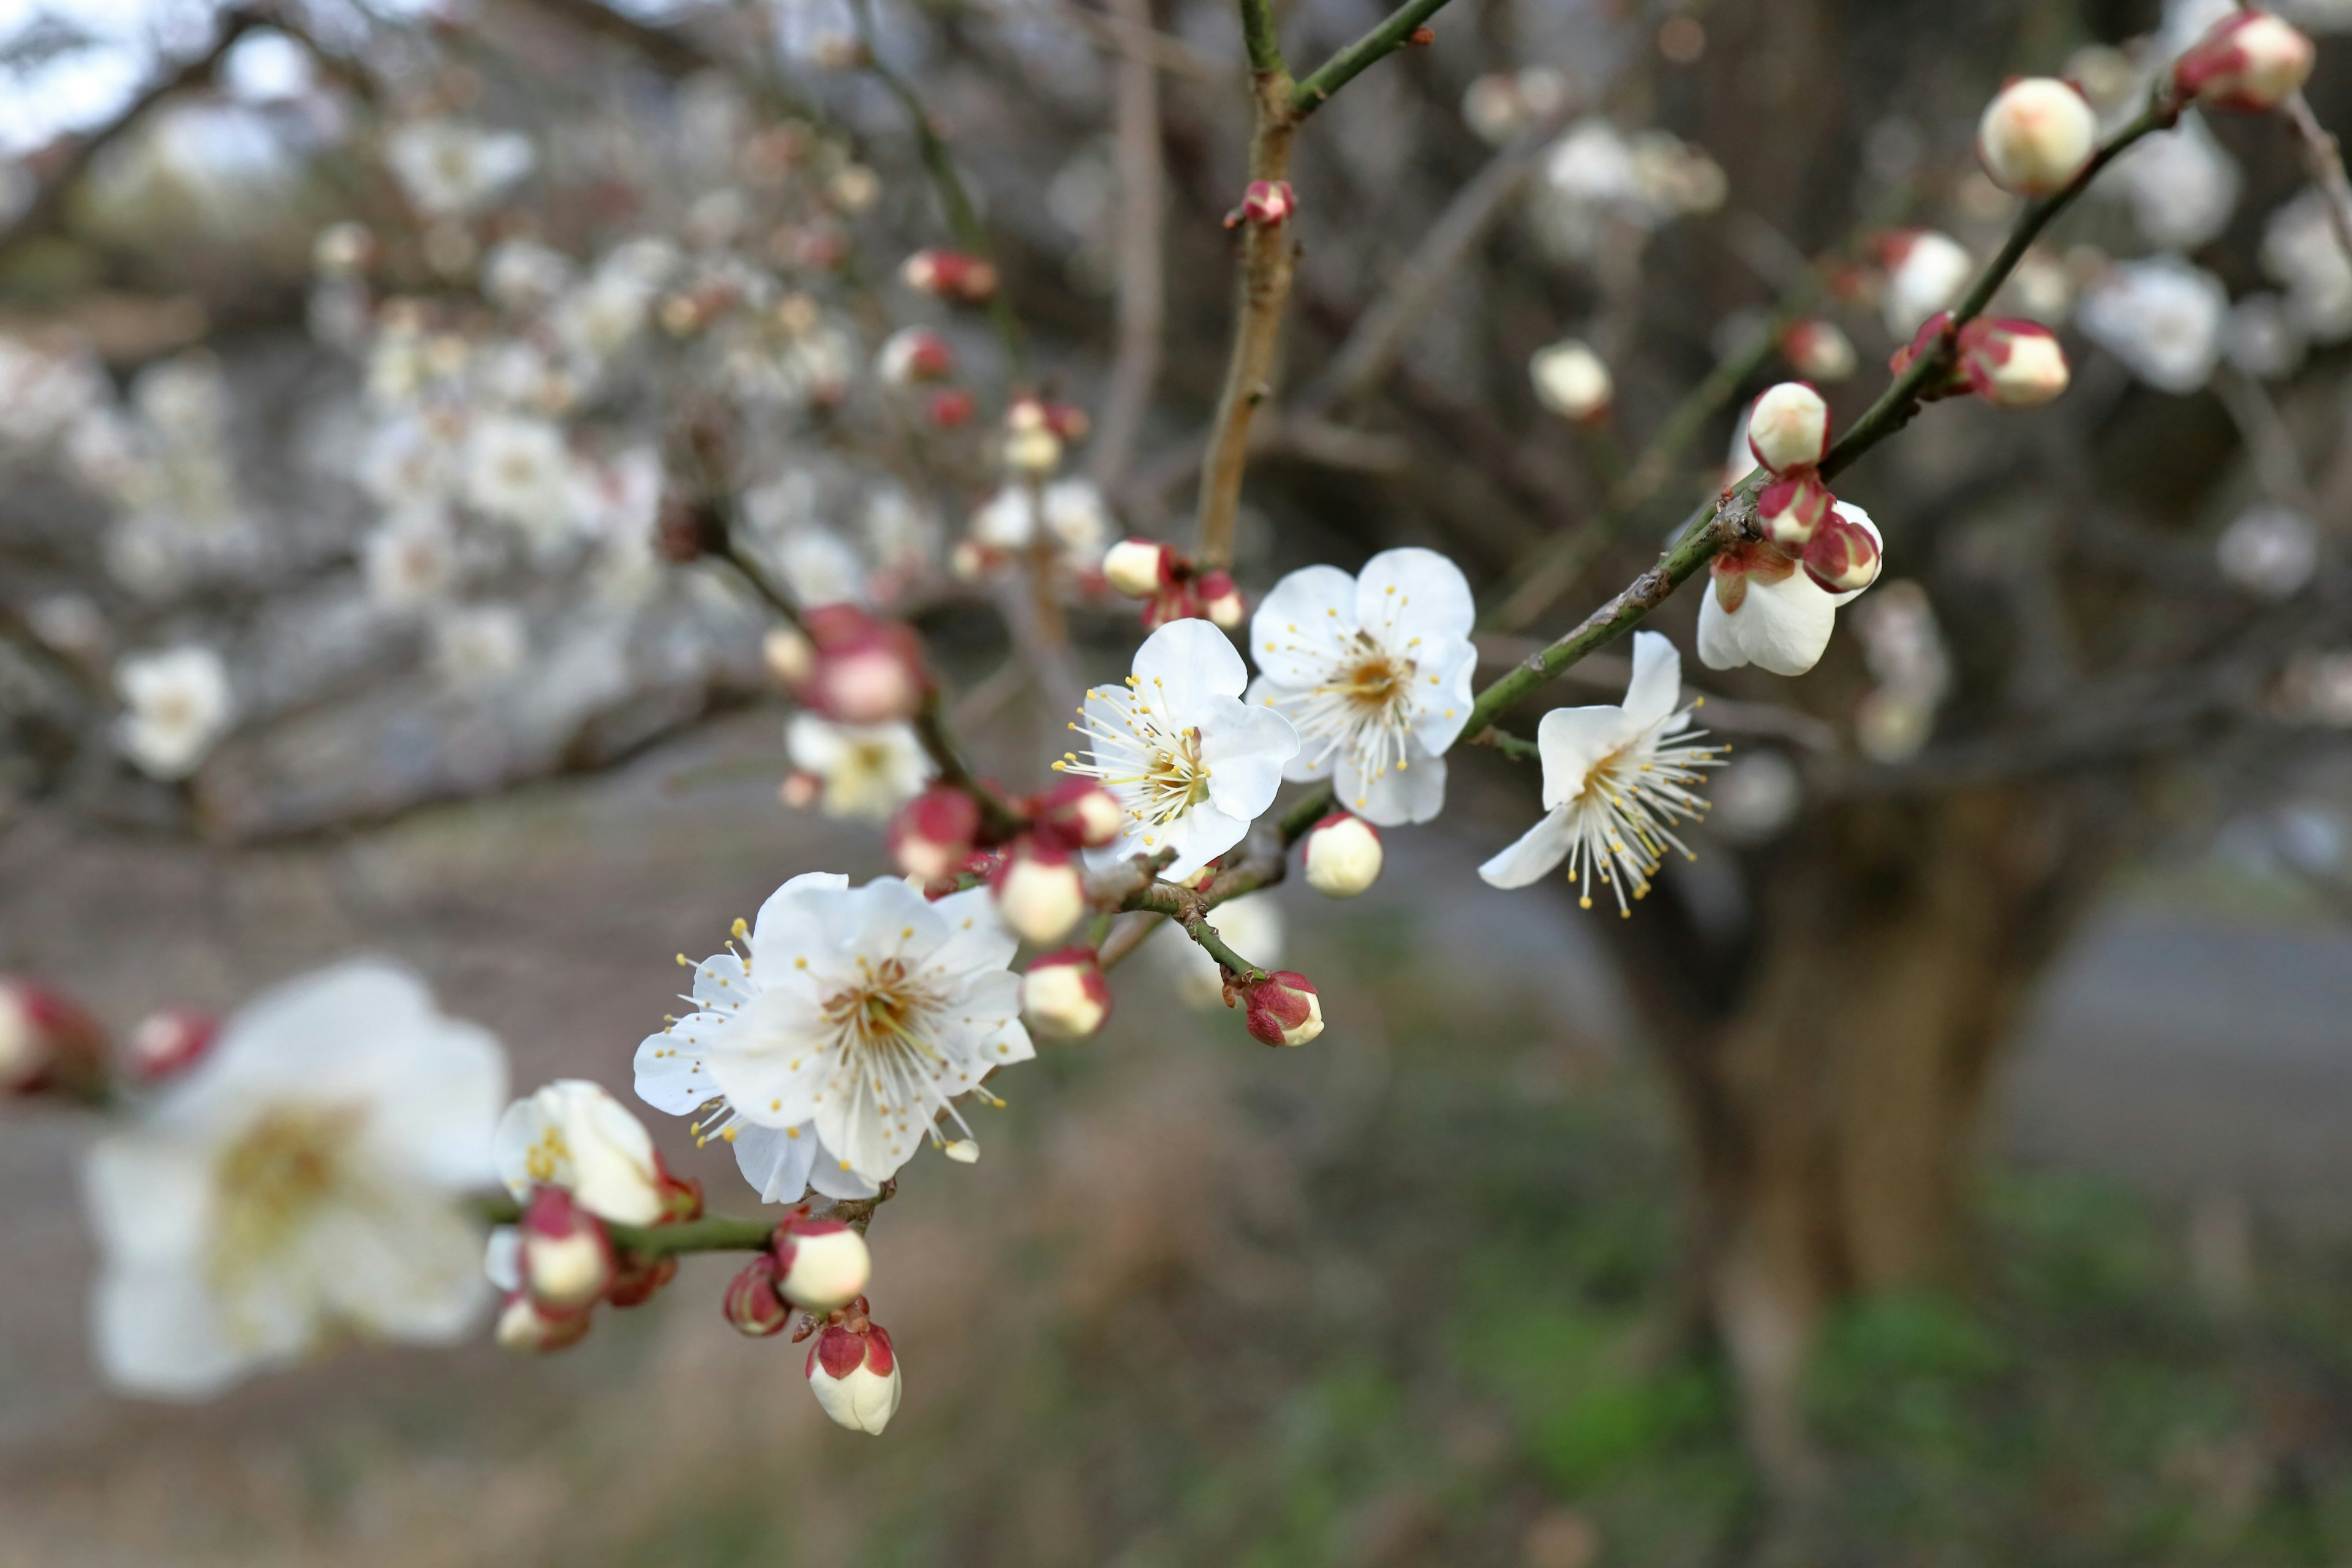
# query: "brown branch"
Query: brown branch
{"points": [[2325, 161], [1141, 303]]}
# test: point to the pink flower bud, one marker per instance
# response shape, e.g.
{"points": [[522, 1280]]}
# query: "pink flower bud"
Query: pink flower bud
{"points": [[1789, 427], [1069, 421], [1138, 567], [1843, 556], [914, 355], [821, 1264], [1221, 601], [47, 1044], [1793, 508], [1265, 203], [1064, 993], [524, 1325], [1040, 891], [1284, 1009], [567, 1258], [950, 408], [949, 274], [932, 834], [2012, 364], [2036, 135], [165, 1044], [1080, 814], [752, 1304], [855, 1375], [801, 789], [637, 1277], [2251, 61], [867, 671], [1819, 350], [1342, 856]]}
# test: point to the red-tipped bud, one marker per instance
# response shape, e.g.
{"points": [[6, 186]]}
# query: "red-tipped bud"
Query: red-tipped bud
{"points": [[1040, 891], [801, 789], [932, 834], [2252, 62], [1342, 856], [752, 1304], [867, 671], [1818, 350], [1221, 601], [567, 1258], [2012, 364], [47, 1044], [1792, 509], [855, 1375], [915, 354], [1284, 1009], [162, 1044], [526, 1326], [1080, 814], [1067, 420], [949, 274], [1138, 567], [1065, 994], [1789, 427], [1265, 203], [2036, 135], [821, 1264], [638, 1278], [950, 408], [1843, 557]]}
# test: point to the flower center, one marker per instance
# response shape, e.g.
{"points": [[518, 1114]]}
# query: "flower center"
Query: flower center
{"points": [[1621, 822], [1154, 767], [270, 1184], [1365, 707], [884, 1012]]}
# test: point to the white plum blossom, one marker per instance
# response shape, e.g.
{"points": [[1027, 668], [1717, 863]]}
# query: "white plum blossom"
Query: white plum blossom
{"points": [[176, 705], [2301, 251], [2182, 185], [1191, 762], [303, 1183], [519, 472], [450, 170], [1762, 608], [828, 1049], [2269, 551], [1615, 781], [1926, 271], [410, 559], [1373, 671], [572, 1135], [2262, 339], [870, 770], [2161, 316]]}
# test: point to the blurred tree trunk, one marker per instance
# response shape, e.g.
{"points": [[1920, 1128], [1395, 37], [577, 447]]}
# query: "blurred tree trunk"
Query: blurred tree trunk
{"points": [[1831, 1070]]}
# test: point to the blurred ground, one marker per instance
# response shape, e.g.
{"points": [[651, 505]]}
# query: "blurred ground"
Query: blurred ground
{"points": [[1388, 1299]]}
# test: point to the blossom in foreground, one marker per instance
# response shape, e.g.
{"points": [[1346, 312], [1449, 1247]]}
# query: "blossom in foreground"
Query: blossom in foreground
{"points": [[827, 1050], [867, 769], [176, 707], [1374, 670], [1615, 781], [2161, 316], [572, 1135], [303, 1183], [1192, 765], [854, 1372], [1768, 608]]}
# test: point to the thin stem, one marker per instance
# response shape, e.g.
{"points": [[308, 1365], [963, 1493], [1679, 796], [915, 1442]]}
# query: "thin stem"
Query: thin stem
{"points": [[1267, 863], [1259, 37], [710, 1233], [998, 821], [1393, 33], [751, 572]]}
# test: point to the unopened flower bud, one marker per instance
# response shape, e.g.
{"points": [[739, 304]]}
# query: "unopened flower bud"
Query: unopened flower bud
{"points": [[1926, 271], [1265, 203], [790, 656], [47, 1043], [821, 1264], [933, 833], [855, 1375], [1081, 815], [1136, 567], [1284, 1009], [1221, 601], [1789, 427], [1843, 556], [1572, 381], [913, 355], [526, 1326], [949, 274], [1792, 509], [1033, 451], [1342, 856], [2251, 61], [165, 1044], [801, 789], [2036, 135], [1069, 421], [1040, 891], [638, 1276], [1818, 350], [950, 408], [1064, 994], [567, 1258], [752, 1304], [867, 671], [2012, 363]]}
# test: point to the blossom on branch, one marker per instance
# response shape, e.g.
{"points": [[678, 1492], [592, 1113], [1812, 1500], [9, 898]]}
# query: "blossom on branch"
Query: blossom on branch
{"points": [[1342, 856], [854, 1372], [867, 769], [2251, 62], [1572, 380], [573, 1135], [177, 704], [1764, 608], [1615, 781], [303, 1183], [2036, 135], [1374, 671]]}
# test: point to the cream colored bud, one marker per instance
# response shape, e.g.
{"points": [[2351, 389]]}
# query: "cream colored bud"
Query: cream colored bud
{"points": [[1571, 380], [1789, 427], [790, 656], [1132, 567], [821, 1264], [2036, 135], [1343, 856]]}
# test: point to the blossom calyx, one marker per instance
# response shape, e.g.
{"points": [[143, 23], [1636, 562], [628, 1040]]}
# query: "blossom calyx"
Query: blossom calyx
{"points": [[2036, 135], [638, 1276], [752, 1304], [1789, 427], [1843, 557], [1221, 601], [821, 1264], [1265, 203], [1064, 993], [567, 1258], [854, 1374], [949, 274], [166, 1043], [1283, 1009], [867, 671], [1080, 814], [2012, 363], [2251, 61], [1040, 890], [1793, 508], [1137, 568], [932, 835], [1342, 855], [47, 1044]]}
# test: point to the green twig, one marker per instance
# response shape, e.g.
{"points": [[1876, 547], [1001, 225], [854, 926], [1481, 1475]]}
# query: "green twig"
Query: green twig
{"points": [[1393, 33]]}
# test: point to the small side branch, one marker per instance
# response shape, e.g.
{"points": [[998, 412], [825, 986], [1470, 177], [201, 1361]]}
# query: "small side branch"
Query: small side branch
{"points": [[1393, 33]]}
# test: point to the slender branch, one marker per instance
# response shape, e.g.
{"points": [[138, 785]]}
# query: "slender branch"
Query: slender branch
{"points": [[710, 1233], [1267, 862], [1141, 305], [998, 821], [751, 572], [1259, 38], [1393, 33]]}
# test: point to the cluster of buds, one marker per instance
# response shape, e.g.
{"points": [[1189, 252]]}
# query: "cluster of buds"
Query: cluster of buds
{"points": [[940, 838], [949, 274], [2037, 134], [1265, 203], [853, 1371], [1789, 433], [48, 1045], [1036, 431], [1341, 855], [1171, 587], [2251, 62], [851, 667], [565, 1262], [2009, 363], [816, 1265]]}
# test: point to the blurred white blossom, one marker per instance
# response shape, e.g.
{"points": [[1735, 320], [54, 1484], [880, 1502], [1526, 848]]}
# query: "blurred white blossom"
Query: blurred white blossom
{"points": [[2269, 551], [2161, 316], [177, 704], [449, 169]]}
